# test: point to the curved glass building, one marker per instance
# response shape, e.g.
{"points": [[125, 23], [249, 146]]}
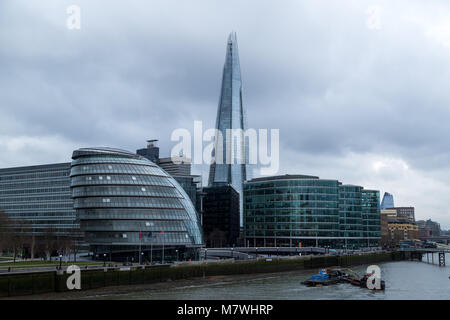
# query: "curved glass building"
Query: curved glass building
{"points": [[130, 209]]}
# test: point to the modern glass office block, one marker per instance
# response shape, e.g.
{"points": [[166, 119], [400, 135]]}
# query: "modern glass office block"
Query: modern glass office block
{"points": [[388, 201], [127, 204], [371, 217], [41, 196], [351, 222], [291, 210], [230, 157]]}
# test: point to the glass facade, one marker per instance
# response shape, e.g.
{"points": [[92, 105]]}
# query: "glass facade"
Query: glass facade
{"points": [[41, 195], [227, 169], [371, 217], [125, 202], [221, 216], [388, 201], [291, 211], [295, 210], [350, 216]]}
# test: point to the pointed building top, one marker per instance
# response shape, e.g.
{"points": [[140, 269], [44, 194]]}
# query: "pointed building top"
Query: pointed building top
{"points": [[232, 37]]}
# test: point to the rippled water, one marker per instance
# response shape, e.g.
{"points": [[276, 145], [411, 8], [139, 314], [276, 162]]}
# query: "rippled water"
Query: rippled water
{"points": [[404, 280]]}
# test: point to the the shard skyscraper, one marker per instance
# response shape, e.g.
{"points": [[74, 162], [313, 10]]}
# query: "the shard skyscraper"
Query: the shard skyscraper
{"points": [[230, 157]]}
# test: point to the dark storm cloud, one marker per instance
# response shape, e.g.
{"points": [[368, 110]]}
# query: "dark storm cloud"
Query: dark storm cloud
{"points": [[339, 92]]}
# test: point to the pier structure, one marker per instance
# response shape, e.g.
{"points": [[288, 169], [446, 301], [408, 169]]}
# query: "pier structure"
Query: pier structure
{"points": [[417, 253]]}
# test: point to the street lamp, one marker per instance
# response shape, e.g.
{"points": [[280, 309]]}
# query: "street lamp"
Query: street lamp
{"points": [[60, 261], [206, 254], [142, 258], [177, 254], [104, 260]]}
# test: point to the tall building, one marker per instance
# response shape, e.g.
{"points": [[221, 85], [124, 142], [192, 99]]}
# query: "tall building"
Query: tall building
{"points": [[126, 203], [387, 202], [230, 155], [40, 195], [221, 216]]}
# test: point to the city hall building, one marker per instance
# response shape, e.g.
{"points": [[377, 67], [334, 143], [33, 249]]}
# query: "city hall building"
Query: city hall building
{"points": [[129, 208], [301, 210]]}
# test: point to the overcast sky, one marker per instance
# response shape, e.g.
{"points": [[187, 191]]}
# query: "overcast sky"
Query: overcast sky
{"points": [[359, 89]]}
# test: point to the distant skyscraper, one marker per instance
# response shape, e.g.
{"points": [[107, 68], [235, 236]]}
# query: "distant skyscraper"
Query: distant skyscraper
{"points": [[230, 115], [388, 201]]}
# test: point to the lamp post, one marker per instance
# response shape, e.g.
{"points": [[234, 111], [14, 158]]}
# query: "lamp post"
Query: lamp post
{"points": [[177, 254], [142, 256], [206, 254], [60, 261], [104, 260]]}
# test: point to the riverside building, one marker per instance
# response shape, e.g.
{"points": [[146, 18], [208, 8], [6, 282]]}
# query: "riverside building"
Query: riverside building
{"points": [[41, 196], [130, 209], [300, 210]]}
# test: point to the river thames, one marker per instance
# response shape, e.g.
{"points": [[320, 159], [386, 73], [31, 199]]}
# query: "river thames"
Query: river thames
{"points": [[404, 280]]}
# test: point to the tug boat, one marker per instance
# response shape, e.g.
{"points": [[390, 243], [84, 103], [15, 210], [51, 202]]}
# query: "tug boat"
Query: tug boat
{"points": [[325, 277], [336, 275]]}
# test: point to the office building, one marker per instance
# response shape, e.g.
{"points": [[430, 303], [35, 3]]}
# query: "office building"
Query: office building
{"points": [[350, 216], [300, 210], [221, 216], [151, 152], [176, 166], [371, 217], [40, 195], [428, 228], [291, 210], [405, 213], [230, 155], [127, 204], [387, 202]]}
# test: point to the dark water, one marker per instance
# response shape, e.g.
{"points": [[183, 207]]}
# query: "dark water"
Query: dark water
{"points": [[404, 280]]}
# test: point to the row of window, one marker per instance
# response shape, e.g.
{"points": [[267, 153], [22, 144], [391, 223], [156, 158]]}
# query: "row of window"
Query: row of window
{"points": [[36, 175], [35, 184], [292, 204], [34, 191], [41, 198], [36, 206], [131, 202], [288, 183], [291, 190], [151, 191], [120, 180], [106, 160], [116, 168], [292, 197]]}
